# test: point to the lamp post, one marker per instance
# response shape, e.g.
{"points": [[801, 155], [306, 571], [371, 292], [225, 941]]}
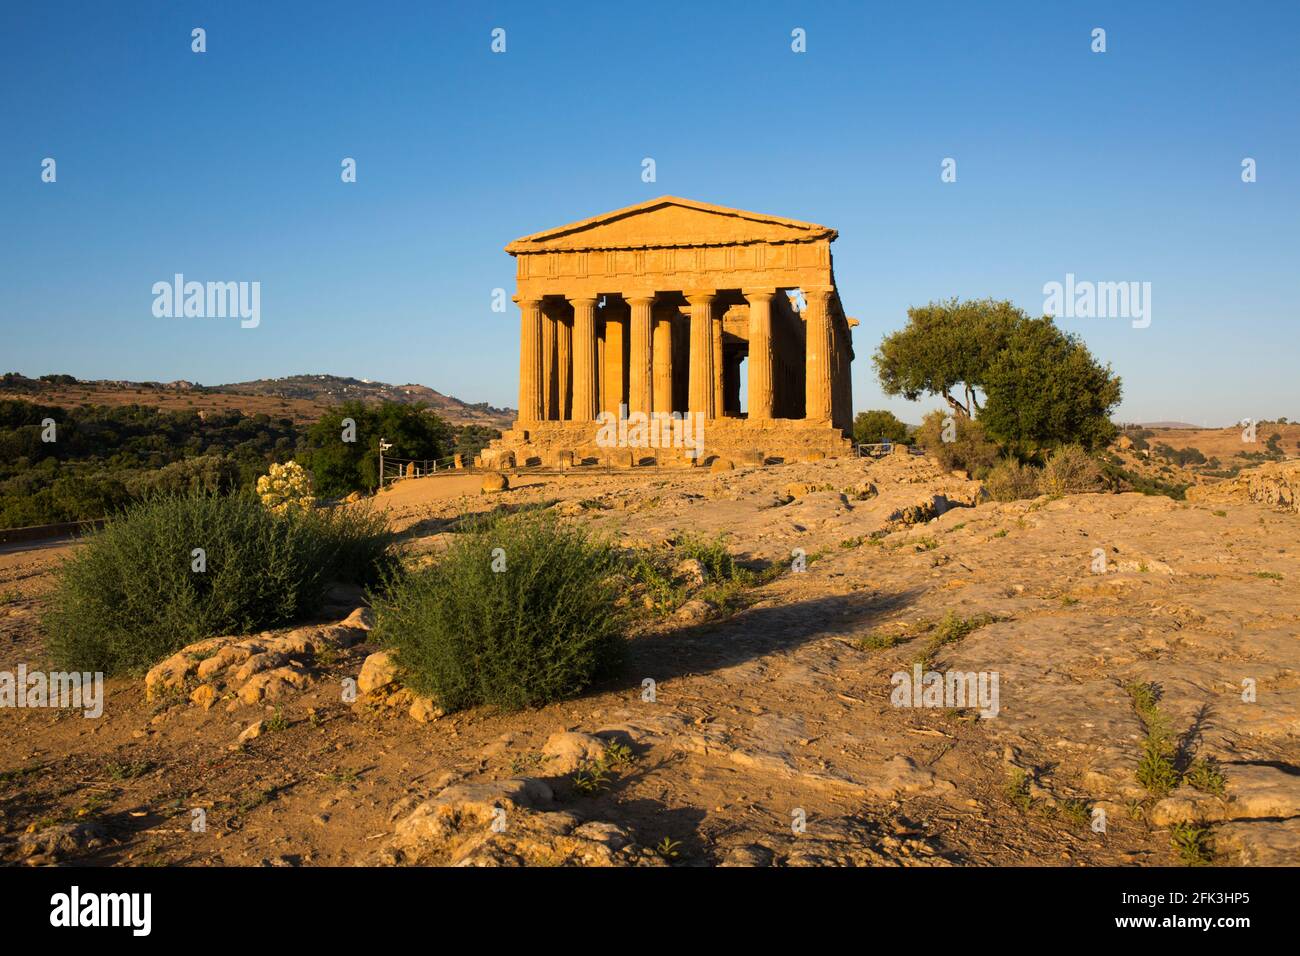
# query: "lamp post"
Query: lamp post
{"points": [[383, 447]]}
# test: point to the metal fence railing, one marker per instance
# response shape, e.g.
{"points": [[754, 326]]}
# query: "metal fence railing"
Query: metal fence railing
{"points": [[391, 469], [875, 449]]}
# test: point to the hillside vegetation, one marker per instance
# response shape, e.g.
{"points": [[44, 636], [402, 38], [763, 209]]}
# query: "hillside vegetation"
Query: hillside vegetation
{"points": [[73, 464]]}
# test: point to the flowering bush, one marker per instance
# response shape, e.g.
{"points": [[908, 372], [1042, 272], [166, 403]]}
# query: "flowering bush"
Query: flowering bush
{"points": [[286, 488]]}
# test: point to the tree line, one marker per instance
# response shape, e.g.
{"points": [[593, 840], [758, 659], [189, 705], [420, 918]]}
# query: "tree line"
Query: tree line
{"points": [[72, 464]]}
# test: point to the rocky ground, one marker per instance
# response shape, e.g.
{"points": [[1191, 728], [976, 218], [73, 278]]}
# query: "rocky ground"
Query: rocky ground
{"points": [[753, 729]]}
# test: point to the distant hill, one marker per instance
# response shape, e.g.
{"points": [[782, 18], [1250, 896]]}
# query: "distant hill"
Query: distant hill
{"points": [[1168, 425], [300, 397], [333, 389]]}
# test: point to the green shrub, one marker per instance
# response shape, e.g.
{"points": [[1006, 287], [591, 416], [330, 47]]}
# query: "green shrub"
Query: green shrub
{"points": [[1070, 471], [516, 614], [969, 448], [713, 556], [129, 596], [879, 425], [1122, 479], [339, 467], [1011, 481]]}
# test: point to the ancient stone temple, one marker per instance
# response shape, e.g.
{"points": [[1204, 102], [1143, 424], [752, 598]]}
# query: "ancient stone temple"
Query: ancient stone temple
{"points": [[659, 312]]}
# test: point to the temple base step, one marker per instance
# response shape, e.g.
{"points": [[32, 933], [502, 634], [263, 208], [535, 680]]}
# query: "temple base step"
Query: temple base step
{"points": [[673, 443]]}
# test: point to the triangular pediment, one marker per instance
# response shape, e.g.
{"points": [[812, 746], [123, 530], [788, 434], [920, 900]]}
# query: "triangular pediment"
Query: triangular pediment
{"points": [[670, 221]]}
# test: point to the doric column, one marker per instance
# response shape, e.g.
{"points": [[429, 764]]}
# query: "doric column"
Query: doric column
{"points": [[761, 381], [835, 373], [614, 372], [640, 379], [817, 370], [530, 360], [843, 409], [550, 391], [602, 378], [564, 361], [846, 374], [703, 372], [584, 359], [663, 364], [719, 369]]}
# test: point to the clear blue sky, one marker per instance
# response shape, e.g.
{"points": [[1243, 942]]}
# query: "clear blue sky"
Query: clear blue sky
{"points": [[225, 166]]}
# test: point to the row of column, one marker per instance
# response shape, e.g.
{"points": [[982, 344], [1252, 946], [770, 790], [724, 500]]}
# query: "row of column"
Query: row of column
{"points": [[650, 367]]}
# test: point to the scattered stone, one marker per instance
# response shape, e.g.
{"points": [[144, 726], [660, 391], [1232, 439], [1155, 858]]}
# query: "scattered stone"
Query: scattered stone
{"points": [[205, 695], [251, 732], [363, 618], [506, 823], [495, 481], [378, 671], [691, 571], [274, 684], [900, 774], [254, 668], [694, 611], [1258, 791], [1187, 806], [61, 840], [752, 854], [567, 751], [865, 490], [424, 710], [1259, 842]]}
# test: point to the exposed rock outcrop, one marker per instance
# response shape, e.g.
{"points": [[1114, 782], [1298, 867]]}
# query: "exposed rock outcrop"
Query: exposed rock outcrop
{"points": [[1276, 484]]}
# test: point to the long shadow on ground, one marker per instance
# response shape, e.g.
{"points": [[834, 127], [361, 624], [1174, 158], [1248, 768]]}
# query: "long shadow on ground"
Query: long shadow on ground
{"points": [[754, 633]]}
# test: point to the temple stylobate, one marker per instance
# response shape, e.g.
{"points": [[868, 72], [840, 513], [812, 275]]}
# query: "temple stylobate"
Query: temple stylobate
{"points": [[679, 307]]}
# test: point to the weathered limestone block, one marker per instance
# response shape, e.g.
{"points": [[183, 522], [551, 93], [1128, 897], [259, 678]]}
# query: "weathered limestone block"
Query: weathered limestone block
{"points": [[1276, 484], [423, 710], [274, 684], [378, 671], [258, 663], [257, 668], [228, 656], [497, 458], [567, 751], [172, 672], [362, 619], [506, 823], [205, 695]]}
